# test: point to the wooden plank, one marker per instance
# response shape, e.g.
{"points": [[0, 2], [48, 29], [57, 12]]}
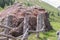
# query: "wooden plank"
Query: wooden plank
{"points": [[5, 26], [43, 23], [26, 19], [35, 31], [3, 38], [39, 24], [5, 35], [25, 28], [17, 28], [25, 35], [6, 30]]}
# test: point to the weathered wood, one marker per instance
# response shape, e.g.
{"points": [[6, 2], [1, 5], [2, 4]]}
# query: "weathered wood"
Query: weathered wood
{"points": [[4, 26], [26, 20], [35, 31], [3, 38], [43, 23], [39, 24], [25, 28], [25, 35], [5, 35], [16, 14], [7, 30], [16, 28]]}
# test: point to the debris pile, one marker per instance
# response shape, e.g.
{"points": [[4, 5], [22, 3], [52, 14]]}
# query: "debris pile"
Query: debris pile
{"points": [[16, 16]]}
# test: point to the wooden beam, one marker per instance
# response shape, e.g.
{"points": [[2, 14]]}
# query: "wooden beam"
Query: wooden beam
{"points": [[43, 23], [5, 35], [25, 28], [16, 28], [25, 35], [3, 38], [35, 31], [7, 27], [38, 25]]}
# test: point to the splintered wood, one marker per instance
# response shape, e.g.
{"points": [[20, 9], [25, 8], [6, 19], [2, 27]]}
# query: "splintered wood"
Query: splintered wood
{"points": [[39, 24], [3, 38], [20, 20], [25, 28]]}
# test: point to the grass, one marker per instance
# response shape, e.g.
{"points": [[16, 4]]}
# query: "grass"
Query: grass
{"points": [[1, 8], [56, 25], [51, 35]]}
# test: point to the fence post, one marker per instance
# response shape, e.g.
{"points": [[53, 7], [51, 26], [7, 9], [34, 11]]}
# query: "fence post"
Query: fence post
{"points": [[6, 31], [43, 23], [26, 28], [39, 24], [8, 23]]}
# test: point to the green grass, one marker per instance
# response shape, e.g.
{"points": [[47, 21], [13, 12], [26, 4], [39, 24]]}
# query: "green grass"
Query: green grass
{"points": [[48, 35], [51, 35], [1, 8], [56, 25]]}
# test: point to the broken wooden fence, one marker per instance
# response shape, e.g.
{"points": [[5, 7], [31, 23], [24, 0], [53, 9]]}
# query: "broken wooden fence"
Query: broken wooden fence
{"points": [[39, 28]]}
